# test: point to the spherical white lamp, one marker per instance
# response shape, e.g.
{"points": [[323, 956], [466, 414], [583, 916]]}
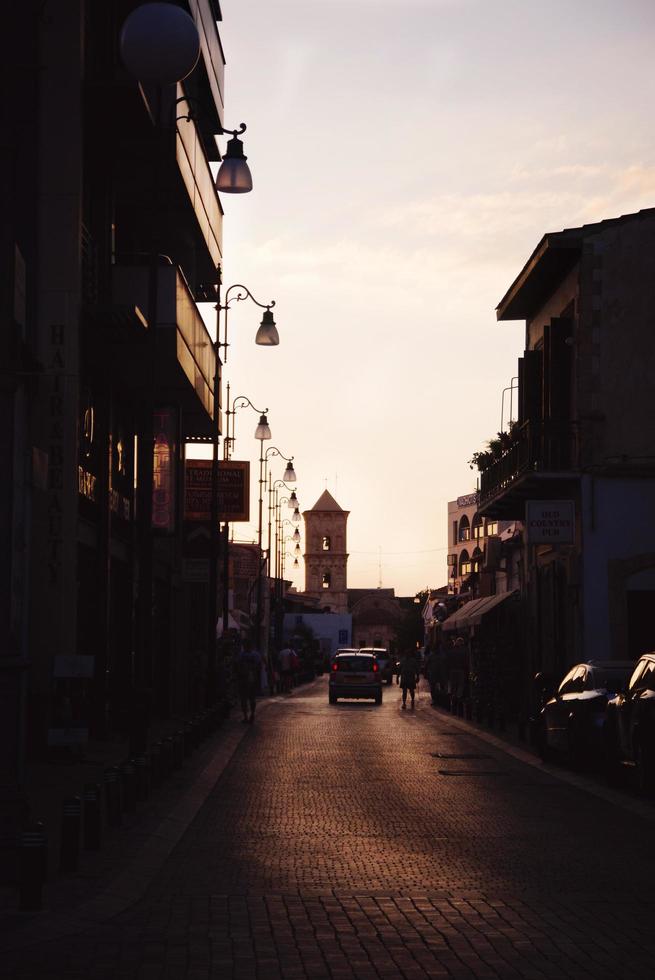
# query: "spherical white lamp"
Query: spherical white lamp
{"points": [[159, 43]]}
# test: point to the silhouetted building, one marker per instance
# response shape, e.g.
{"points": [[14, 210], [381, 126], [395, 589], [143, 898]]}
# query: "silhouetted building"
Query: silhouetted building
{"points": [[581, 468], [111, 235]]}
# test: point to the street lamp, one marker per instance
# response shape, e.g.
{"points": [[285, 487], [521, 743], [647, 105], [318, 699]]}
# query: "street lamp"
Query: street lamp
{"points": [[263, 433], [267, 335], [234, 175], [264, 337], [289, 477], [263, 430]]}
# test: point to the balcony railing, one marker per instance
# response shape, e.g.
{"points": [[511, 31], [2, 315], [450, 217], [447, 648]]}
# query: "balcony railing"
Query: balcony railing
{"points": [[199, 183], [548, 447]]}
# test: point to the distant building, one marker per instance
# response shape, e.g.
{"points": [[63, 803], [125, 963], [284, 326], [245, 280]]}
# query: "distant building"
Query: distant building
{"points": [[477, 552], [376, 616], [326, 557]]}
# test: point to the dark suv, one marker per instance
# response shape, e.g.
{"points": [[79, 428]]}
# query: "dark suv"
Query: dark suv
{"points": [[629, 732]]}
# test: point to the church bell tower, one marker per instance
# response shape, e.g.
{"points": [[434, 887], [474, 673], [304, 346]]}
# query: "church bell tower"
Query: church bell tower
{"points": [[326, 558]]}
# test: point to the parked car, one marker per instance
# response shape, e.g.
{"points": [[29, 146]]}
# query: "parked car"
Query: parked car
{"points": [[573, 718], [384, 660], [630, 726], [355, 675]]}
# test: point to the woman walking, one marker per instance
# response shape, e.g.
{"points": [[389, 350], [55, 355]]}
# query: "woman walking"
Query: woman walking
{"points": [[409, 672]]}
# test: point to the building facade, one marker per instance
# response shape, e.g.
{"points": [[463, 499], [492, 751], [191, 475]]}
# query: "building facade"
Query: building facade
{"points": [[480, 559], [583, 454], [111, 237]]}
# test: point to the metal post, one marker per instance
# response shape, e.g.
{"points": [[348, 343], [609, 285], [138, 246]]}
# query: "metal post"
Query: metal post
{"points": [[210, 694], [259, 542]]}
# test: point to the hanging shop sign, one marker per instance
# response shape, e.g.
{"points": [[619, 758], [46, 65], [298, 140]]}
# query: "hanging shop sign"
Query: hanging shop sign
{"points": [[163, 469], [233, 490], [550, 521]]}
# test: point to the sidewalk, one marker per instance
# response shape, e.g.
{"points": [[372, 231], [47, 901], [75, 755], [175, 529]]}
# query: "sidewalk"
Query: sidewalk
{"points": [[116, 876]]}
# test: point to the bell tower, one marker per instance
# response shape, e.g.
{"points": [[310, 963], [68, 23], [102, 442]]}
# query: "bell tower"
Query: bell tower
{"points": [[326, 558]]}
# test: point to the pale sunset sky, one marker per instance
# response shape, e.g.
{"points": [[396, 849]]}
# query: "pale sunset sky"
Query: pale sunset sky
{"points": [[407, 156]]}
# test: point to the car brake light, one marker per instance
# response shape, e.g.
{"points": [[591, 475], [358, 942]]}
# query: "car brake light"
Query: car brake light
{"points": [[376, 667], [334, 666]]}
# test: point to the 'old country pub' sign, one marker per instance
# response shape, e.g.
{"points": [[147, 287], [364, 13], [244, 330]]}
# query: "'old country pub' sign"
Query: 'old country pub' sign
{"points": [[233, 490]]}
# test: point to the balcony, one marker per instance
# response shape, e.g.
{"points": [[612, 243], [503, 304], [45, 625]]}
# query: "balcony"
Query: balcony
{"points": [[186, 361], [538, 465], [199, 183], [210, 47]]}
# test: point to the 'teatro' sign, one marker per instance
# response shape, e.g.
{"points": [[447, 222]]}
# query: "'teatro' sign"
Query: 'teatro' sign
{"points": [[550, 521]]}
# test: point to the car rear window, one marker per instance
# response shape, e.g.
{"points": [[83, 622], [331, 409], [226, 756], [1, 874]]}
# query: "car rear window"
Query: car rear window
{"points": [[355, 663]]}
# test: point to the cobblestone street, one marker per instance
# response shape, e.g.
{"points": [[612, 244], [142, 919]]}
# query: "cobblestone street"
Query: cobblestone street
{"points": [[355, 841]]}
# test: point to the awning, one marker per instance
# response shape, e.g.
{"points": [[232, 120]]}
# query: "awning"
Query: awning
{"points": [[472, 612]]}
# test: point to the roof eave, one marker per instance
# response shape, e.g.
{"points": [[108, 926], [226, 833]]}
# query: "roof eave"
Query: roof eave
{"points": [[552, 259]]}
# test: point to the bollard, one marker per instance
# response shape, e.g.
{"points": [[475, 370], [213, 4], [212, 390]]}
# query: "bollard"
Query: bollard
{"points": [[71, 822], [112, 798], [32, 867], [128, 782], [92, 817], [142, 770]]}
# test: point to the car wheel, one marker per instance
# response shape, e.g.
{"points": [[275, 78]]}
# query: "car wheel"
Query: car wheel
{"points": [[333, 699], [645, 773]]}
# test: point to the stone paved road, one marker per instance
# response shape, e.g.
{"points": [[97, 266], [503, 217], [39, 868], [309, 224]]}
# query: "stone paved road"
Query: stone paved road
{"points": [[359, 842]]}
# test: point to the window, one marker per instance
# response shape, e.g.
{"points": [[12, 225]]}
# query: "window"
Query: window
{"points": [[326, 542], [476, 560], [327, 580], [478, 528], [464, 529], [492, 527], [464, 563]]}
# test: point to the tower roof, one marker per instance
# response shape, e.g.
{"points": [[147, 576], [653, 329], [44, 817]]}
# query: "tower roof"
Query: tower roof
{"points": [[327, 502]]}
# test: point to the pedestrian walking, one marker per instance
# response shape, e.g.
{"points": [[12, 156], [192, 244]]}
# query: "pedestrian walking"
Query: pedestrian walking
{"points": [[249, 666], [285, 658], [409, 671]]}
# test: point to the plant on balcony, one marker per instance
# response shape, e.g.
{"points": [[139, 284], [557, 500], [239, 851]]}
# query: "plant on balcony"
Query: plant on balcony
{"points": [[481, 460], [496, 447]]}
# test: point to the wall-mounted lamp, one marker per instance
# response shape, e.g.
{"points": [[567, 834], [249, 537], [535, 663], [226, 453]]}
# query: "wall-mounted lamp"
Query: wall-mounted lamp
{"points": [[234, 175]]}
